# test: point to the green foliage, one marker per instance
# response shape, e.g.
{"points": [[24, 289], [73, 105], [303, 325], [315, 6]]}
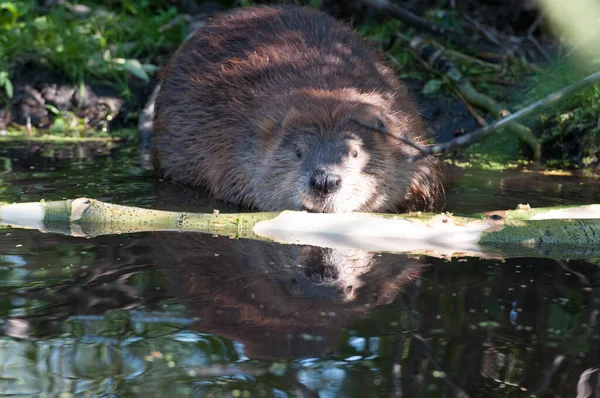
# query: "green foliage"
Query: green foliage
{"points": [[381, 31], [574, 119], [559, 76], [6, 84], [432, 86], [125, 134], [66, 123], [243, 3], [447, 19], [381, 35], [108, 44]]}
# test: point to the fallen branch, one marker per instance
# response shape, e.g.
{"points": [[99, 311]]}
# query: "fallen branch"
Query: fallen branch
{"points": [[413, 20], [486, 32], [433, 57], [548, 232], [469, 59], [480, 119], [469, 138]]}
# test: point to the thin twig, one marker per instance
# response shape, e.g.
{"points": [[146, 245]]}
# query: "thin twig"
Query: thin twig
{"points": [[429, 353], [467, 58], [480, 119], [455, 54], [433, 58], [489, 35], [468, 139], [530, 31], [459, 392], [543, 387], [565, 266], [584, 389], [417, 22], [493, 80], [384, 131]]}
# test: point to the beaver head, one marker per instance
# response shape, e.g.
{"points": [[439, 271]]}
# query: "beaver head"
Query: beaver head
{"points": [[316, 155]]}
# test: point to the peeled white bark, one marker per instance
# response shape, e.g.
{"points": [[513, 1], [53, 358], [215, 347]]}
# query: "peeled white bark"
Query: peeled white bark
{"points": [[570, 232]]}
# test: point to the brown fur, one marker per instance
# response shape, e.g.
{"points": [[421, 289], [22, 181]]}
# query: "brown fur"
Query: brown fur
{"points": [[260, 98]]}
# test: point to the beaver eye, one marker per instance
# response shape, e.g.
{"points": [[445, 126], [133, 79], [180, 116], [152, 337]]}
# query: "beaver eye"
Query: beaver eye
{"points": [[355, 154], [298, 154], [379, 124]]}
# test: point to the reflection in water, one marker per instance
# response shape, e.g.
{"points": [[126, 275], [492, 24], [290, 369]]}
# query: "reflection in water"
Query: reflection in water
{"points": [[527, 325], [478, 190], [281, 301], [191, 315], [467, 332], [105, 315]]}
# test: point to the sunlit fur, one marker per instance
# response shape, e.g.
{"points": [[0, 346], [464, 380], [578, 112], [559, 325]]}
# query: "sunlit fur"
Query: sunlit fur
{"points": [[253, 87]]}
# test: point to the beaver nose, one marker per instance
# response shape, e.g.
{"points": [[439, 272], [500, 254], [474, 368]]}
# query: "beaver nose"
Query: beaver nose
{"points": [[324, 182], [323, 274]]}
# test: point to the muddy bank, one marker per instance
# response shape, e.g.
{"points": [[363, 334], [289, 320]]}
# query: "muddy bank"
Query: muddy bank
{"points": [[39, 92]]}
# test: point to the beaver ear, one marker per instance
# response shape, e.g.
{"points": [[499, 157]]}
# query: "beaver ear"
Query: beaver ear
{"points": [[271, 123], [270, 127], [292, 114]]}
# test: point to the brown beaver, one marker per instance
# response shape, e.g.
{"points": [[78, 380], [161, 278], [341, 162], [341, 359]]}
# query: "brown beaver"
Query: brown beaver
{"points": [[260, 106]]}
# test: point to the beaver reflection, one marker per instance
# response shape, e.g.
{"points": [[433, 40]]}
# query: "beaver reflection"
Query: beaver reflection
{"points": [[278, 300]]}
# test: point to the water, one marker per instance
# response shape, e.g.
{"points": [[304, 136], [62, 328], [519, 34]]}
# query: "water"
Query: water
{"points": [[169, 314]]}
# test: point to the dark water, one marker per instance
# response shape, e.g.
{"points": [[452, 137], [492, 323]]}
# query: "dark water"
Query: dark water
{"points": [[170, 314]]}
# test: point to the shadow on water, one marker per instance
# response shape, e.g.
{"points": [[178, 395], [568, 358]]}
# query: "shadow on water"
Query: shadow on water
{"points": [[169, 314]]}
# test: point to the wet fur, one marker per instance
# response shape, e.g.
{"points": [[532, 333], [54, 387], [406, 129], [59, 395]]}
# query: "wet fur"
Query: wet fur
{"points": [[252, 85]]}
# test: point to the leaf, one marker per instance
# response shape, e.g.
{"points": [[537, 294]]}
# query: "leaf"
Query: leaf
{"points": [[8, 86], [59, 124], [135, 67], [41, 23], [52, 109], [12, 9], [432, 86], [150, 68]]}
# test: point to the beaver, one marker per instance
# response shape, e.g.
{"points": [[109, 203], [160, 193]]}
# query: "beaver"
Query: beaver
{"points": [[266, 107]]}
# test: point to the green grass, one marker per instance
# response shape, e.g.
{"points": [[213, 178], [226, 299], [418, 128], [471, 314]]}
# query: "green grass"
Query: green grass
{"points": [[116, 40]]}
